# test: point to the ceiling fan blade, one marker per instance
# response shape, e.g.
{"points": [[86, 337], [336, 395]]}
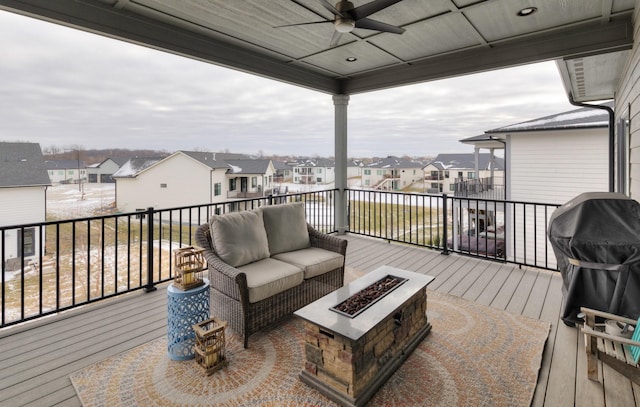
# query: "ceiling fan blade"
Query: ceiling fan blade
{"points": [[369, 24], [331, 8], [293, 25], [367, 9], [335, 38]]}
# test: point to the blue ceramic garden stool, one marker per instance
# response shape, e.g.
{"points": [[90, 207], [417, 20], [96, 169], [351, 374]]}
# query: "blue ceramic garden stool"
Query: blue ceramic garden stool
{"points": [[185, 309]]}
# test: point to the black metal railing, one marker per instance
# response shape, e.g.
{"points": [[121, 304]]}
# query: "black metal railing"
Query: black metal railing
{"points": [[509, 231], [485, 188], [57, 265], [53, 266]]}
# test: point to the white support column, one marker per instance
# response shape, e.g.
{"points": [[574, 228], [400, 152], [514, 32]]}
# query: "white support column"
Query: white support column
{"points": [[476, 156], [340, 103]]}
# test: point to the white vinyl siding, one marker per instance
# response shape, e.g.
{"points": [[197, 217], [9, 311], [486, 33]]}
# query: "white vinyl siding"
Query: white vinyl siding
{"points": [[188, 183], [554, 167], [20, 206], [628, 99]]}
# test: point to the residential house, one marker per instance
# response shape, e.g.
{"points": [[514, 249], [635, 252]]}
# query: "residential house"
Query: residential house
{"points": [[354, 172], [461, 173], [66, 171], [391, 173], [551, 159], [313, 171], [190, 178], [102, 172], [250, 178], [23, 191], [284, 172]]}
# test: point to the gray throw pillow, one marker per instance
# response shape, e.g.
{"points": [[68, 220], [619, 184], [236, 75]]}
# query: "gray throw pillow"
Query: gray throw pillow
{"points": [[286, 227], [239, 238]]}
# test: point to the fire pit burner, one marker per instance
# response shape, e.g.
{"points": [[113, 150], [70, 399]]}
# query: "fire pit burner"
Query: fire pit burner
{"points": [[368, 296]]}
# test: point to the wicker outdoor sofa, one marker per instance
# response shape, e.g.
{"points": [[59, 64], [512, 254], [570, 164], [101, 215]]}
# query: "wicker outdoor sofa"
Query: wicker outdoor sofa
{"points": [[255, 283]]}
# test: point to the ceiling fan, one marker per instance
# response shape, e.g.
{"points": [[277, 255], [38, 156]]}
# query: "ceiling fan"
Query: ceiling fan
{"points": [[346, 18]]}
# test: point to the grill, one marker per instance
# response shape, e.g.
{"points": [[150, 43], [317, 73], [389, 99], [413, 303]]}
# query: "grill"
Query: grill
{"points": [[596, 241]]}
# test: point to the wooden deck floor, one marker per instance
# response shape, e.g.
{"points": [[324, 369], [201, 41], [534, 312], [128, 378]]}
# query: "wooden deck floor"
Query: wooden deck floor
{"points": [[37, 357]]}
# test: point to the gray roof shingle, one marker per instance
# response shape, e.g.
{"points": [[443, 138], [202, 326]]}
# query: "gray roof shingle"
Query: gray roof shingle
{"points": [[466, 161], [248, 166], [22, 164], [585, 117]]}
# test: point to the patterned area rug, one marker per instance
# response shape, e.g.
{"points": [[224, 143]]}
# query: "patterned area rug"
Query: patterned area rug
{"points": [[474, 356]]}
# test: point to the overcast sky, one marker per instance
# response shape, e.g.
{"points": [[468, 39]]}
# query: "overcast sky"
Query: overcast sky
{"points": [[64, 87]]}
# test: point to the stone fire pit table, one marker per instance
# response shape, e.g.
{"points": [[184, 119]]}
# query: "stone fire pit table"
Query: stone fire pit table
{"points": [[349, 358]]}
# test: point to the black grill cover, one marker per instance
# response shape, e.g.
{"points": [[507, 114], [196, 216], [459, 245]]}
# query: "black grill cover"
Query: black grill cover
{"points": [[596, 240]]}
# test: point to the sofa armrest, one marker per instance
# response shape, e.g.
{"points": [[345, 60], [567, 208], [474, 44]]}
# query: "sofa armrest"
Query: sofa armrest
{"points": [[223, 277], [327, 242]]}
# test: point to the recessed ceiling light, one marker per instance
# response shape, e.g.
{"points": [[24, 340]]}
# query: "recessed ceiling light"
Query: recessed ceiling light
{"points": [[352, 59], [527, 11]]}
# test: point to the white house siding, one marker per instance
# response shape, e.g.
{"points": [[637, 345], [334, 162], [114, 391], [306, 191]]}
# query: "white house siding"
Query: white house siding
{"points": [[177, 181], [105, 169], [550, 167], [556, 166], [628, 99], [19, 206]]}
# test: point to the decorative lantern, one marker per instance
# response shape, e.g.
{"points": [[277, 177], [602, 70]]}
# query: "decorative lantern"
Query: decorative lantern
{"points": [[189, 262], [210, 341]]}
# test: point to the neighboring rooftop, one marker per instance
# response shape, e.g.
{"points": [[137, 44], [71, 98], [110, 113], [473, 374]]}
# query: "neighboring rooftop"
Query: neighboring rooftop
{"points": [[395, 162], [248, 166], [585, 117], [135, 165], [22, 164], [467, 161]]}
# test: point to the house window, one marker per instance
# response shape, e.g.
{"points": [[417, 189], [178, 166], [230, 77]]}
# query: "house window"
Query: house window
{"points": [[319, 171], [446, 174], [471, 175], [217, 188], [367, 172], [452, 187], [380, 172], [232, 184], [163, 185], [434, 185], [367, 182], [26, 242], [435, 175], [60, 172], [414, 172], [254, 182], [319, 179]]}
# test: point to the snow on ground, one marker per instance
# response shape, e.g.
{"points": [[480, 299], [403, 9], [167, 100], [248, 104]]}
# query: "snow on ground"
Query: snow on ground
{"points": [[74, 201]]}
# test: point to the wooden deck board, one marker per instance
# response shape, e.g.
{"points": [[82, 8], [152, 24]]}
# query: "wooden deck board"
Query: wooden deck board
{"points": [[39, 356]]}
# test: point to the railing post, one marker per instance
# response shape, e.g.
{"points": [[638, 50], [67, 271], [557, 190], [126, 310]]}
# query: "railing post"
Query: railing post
{"points": [[150, 286], [445, 245]]}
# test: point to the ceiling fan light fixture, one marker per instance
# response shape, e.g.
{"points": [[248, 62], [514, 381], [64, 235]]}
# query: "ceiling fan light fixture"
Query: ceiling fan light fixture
{"points": [[344, 25], [351, 59], [527, 11]]}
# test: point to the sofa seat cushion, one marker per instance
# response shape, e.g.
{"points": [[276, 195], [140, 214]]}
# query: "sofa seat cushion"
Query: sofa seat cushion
{"points": [[286, 227], [239, 238], [269, 277], [313, 261]]}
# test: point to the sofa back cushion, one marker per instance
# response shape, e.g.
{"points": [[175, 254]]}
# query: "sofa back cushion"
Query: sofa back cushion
{"points": [[239, 238], [286, 227]]}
